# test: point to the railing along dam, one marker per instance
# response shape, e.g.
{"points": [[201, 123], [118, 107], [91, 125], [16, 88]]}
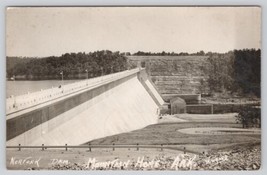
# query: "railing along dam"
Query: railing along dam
{"points": [[18, 103], [79, 112]]}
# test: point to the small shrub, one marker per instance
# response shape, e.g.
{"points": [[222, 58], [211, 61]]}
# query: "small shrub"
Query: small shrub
{"points": [[249, 117]]}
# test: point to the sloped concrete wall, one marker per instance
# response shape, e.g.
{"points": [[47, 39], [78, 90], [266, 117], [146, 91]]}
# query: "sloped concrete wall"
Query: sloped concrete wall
{"points": [[112, 109], [144, 79], [24, 122]]}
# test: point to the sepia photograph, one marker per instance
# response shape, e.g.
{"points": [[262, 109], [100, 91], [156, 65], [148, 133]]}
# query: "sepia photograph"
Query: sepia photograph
{"points": [[171, 88]]}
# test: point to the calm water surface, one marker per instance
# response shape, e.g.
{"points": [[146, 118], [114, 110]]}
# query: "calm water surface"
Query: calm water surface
{"points": [[23, 87]]}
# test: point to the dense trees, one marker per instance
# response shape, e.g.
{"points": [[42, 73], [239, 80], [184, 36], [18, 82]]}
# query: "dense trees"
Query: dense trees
{"points": [[163, 53], [220, 72], [249, 117], [72, 64], [236, 71], [18, 62], [247, 70]]}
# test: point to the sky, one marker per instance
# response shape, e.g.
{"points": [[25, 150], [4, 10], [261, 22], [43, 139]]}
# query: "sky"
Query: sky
{"points": [[53, 31]]}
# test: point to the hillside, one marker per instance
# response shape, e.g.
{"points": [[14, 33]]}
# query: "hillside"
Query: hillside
{"points": [[176, 74], [235, 73]]}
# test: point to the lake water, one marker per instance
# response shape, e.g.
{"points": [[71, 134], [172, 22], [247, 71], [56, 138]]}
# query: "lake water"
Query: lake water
{"points": [[23, 87]]}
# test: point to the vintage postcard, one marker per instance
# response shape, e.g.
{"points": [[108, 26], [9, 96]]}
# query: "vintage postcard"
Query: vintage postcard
{"points": [[133, 88]]}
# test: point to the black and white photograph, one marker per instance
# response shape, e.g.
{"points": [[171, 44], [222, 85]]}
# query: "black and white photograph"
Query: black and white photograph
{"points": [[133, 88]]}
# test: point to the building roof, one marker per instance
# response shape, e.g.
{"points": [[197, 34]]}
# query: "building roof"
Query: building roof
{"points": [[177, 100]]}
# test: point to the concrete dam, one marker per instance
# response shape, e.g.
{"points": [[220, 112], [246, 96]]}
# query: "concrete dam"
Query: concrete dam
{"points": [[81, 112]]}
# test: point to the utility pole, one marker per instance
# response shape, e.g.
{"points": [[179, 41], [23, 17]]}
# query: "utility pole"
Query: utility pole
{"points": [[62, 77], [101, 71], [101, 78], [62, 80], [14, 105], [86, 77]]}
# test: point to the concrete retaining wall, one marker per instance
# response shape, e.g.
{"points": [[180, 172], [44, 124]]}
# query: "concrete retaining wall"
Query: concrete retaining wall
{"points": [[229, 108], [199, 109], [216, 108]]}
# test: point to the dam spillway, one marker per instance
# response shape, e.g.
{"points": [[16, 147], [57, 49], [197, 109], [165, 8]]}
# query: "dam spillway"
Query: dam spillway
{"points": [[119, 105]]}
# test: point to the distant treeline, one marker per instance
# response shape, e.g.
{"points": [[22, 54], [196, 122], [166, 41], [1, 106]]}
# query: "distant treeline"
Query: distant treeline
{"points": [[235, 71], [163, 53], [73, 65]]}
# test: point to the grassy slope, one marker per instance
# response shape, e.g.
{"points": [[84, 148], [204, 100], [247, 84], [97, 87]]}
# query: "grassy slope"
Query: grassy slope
{"points": [[166, 133]]}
